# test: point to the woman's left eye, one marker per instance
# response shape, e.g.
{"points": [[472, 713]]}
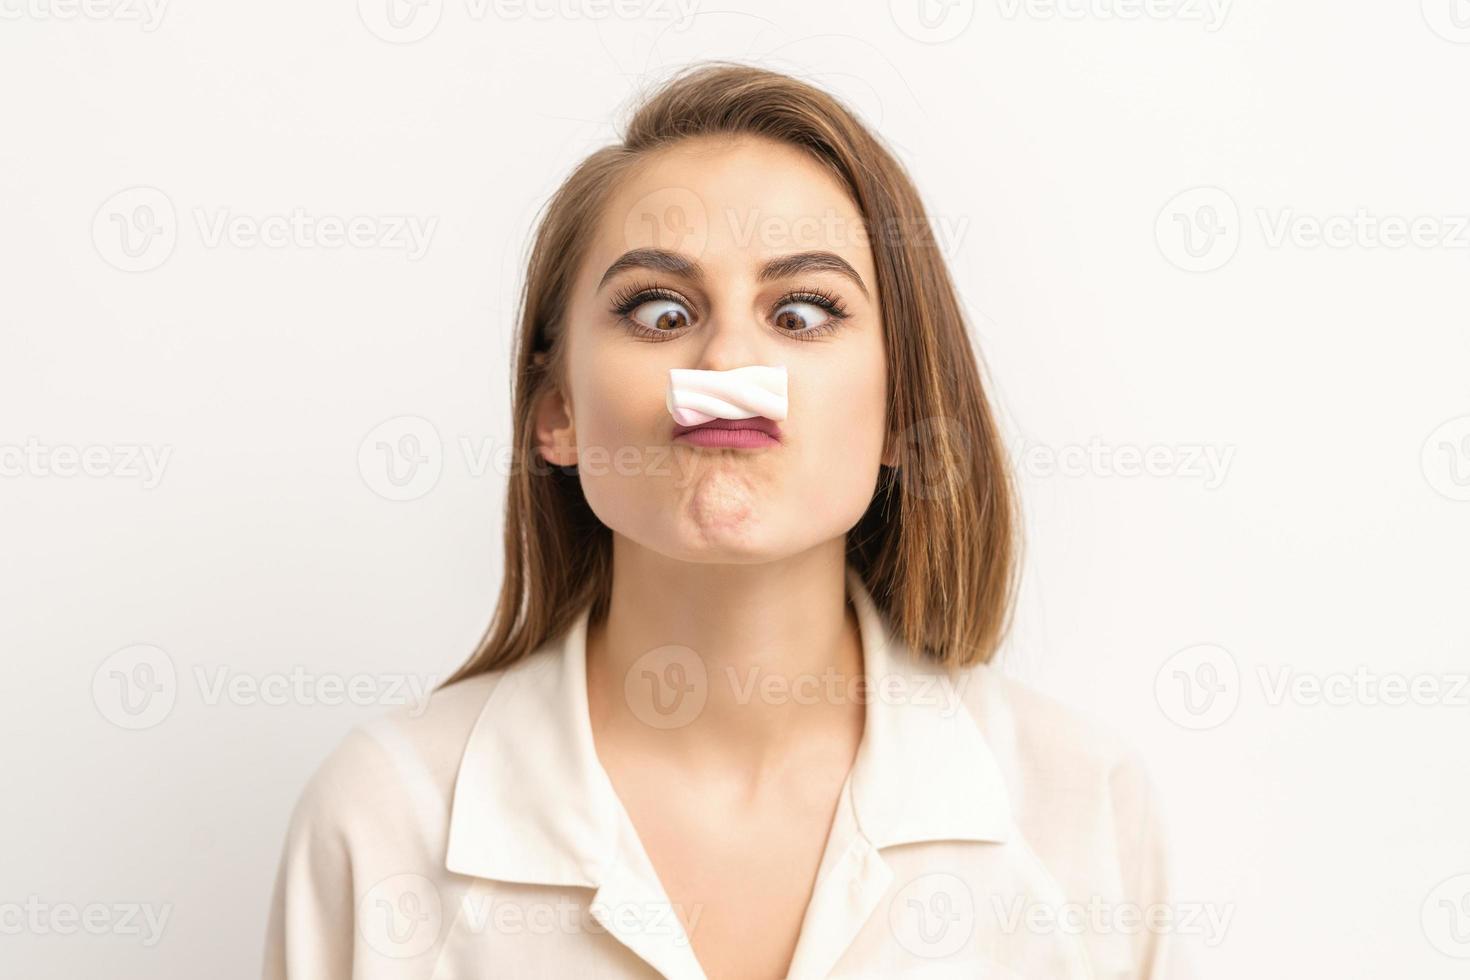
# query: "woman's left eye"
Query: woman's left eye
{"points": [[664, 315], [796, 317]]}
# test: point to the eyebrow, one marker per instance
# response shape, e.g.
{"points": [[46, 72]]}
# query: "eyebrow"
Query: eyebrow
{"points": [[781, 267]]}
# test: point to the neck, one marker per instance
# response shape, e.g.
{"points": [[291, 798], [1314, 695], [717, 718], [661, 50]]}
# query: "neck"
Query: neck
{"points": [[725, 663]]}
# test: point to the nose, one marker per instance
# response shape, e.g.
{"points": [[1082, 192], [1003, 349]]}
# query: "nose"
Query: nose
{"points": [[733, 340]]}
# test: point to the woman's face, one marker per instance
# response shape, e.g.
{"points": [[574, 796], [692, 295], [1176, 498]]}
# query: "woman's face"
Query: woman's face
{"points": [[746, 252]]}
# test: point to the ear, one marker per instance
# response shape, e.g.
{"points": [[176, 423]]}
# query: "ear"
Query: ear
{"points": [[555, 432]]}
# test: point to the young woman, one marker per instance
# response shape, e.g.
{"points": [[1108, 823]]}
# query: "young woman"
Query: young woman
{"points": [[733, 715]]}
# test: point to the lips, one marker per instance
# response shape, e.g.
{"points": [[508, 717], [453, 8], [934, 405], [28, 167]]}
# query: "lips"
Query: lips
{"points": [[751, 433]]}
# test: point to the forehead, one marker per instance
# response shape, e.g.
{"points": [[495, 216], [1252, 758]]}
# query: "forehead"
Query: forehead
{"points": [[730, 202]]}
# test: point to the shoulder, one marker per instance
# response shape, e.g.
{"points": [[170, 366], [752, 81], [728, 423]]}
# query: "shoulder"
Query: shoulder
{"points": [[1083, 802], [371, 821], [1081, 795], [392, 778], [1045, 745]]}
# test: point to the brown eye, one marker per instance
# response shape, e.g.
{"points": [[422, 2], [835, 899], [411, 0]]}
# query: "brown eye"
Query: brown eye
{"points": [[798, 317], [661, 314]]}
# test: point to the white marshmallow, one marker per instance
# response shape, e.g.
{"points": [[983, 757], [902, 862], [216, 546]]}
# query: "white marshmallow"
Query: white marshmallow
{"points": [[695, 397]]}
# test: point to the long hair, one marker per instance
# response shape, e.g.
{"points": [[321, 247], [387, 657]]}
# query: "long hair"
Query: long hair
{"points": [[936, 546]]}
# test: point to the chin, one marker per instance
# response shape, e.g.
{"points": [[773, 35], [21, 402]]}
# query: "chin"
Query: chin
{"points": [[736, 544]]}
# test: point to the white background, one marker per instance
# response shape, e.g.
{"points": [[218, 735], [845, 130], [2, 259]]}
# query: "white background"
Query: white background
{"points": [[1127, 194]]}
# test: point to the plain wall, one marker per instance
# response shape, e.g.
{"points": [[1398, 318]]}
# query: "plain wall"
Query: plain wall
{"points": [[1172, 225]]}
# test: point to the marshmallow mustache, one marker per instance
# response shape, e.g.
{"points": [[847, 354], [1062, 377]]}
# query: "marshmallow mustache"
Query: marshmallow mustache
{"points": [[696, 397]]}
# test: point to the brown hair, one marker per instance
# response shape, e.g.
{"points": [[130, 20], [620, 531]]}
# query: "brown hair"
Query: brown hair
{"points": [[936, 547]]}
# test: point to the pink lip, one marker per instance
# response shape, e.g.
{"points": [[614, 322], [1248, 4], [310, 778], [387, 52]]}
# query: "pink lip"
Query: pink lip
{"points": [[752, 433]]}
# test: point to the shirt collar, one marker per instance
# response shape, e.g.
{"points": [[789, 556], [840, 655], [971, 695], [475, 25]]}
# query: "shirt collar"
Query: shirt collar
{"points": [[532, 802]]}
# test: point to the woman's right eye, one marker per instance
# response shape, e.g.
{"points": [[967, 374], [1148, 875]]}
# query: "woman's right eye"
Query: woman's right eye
{"points": [[660, 314]]}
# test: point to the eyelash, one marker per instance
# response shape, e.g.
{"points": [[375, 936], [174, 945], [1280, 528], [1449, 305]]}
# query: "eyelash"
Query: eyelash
{"points": [[632, 297]]}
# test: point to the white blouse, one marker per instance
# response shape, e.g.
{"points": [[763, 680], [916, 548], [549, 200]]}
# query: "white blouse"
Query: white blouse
{"points": [[983, 831]]}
